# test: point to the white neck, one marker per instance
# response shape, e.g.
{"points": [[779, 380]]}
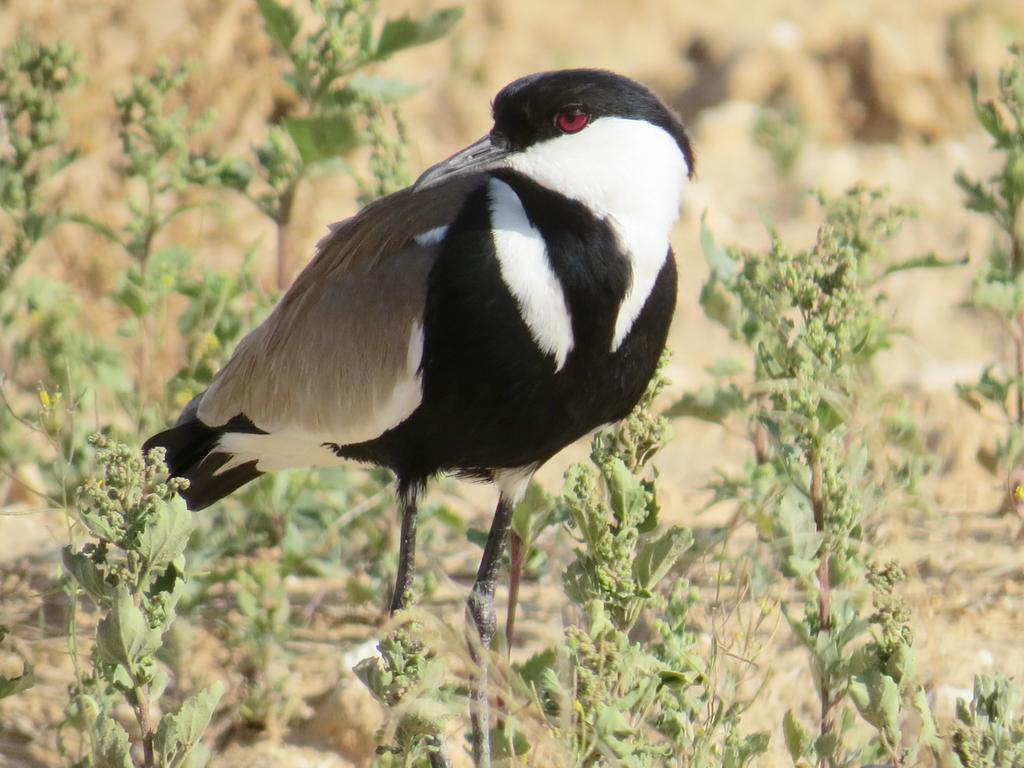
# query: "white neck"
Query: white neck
{"points": [[629, 172]]}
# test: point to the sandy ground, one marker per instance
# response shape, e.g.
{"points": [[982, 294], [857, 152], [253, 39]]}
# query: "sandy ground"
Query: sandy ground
{"points": [[882, 85]]}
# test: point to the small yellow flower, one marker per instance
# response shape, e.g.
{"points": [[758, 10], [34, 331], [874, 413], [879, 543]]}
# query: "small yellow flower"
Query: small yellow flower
{"points": [[44, 399], [1018, 492]]}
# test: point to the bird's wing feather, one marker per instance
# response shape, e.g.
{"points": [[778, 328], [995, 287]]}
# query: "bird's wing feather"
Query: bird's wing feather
{"points": [[338, 356]]}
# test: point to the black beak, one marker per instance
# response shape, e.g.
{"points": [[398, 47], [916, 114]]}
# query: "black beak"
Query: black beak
{"points": [[478, 157]]}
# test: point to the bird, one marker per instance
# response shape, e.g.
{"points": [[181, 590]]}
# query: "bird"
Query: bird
{"points": [[516, 297]]}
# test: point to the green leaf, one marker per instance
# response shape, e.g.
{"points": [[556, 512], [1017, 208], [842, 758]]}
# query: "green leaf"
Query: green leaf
{"points": [[111, 748], [9, 686], [721, 263], [671, 678], [1003, 298], [533, 670], [579, 581], [978, 199], [929, 728], [627, 498], [179, 734], [281, 23], [719, 305], [99, 526], [712, 404], [825, 747], [534, 504], [797, 737], [611, 722], [322, 137], [123, 636], [166, 266], [968, 394], [726, 367], [166, 535], [477, 536], [96, 226], [986, 113], [656, 557], [132, 297], [376, 678], [406, 32], [383, 88], [877, 698], [507, 743], [927, 261], [84, 571]]}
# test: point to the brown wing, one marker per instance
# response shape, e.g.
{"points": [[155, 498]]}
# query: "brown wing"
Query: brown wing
{"points": [[337, 357]]}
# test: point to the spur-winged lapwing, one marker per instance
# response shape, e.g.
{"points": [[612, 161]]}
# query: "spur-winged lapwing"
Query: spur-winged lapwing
{"points": [[513, 299]]}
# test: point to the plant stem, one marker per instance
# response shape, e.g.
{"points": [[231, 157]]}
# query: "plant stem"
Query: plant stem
{"points": [[824, 608], [516, 554], [140, 704], [283, 221], [760, 440], [1018, 343]]}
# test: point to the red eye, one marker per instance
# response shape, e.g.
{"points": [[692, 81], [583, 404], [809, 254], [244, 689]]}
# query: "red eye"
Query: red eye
{"points": [[571, 120]]}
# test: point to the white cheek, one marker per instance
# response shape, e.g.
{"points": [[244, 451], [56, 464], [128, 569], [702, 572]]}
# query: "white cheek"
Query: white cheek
{"points": [[630, 173], [625, 168]]}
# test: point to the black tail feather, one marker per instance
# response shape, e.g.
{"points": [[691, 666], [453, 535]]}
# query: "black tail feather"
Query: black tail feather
{"points": [[191, 452]]}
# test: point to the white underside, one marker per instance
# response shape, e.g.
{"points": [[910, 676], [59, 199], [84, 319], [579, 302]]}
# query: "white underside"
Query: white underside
{"points": [[513, 482]]}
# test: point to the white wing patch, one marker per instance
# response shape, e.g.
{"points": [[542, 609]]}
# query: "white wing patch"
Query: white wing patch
{"points": [[431, 236], [628, 172], [292, 447], [523, 261]]}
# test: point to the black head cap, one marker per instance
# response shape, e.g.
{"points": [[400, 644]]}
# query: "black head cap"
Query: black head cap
{"points": [[525, 110]]}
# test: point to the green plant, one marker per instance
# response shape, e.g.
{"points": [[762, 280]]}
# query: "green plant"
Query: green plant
{"points": [[335, 523], [33, 77], [998, 285], [814, 319], [338, 108], [782, 132], [610, 699], [408, 679], [132, 569], [160, 163], [14, 684], [986, 733]]}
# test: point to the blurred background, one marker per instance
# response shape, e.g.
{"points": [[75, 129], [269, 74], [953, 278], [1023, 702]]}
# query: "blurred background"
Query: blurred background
{"points": [[780, 97]]}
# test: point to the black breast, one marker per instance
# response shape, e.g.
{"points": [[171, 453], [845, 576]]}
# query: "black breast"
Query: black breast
{"points": [[491, 398]]}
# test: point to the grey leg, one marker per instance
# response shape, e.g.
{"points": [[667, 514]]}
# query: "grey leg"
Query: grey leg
{"points": [[408, 499], [408, 496], [481, 611]]}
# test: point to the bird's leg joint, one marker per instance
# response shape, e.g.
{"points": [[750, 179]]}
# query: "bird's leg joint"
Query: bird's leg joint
{"points": [[481, 608]]}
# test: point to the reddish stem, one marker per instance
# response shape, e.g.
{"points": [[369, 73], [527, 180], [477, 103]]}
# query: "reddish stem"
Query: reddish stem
{"points": [[516, 555]]}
